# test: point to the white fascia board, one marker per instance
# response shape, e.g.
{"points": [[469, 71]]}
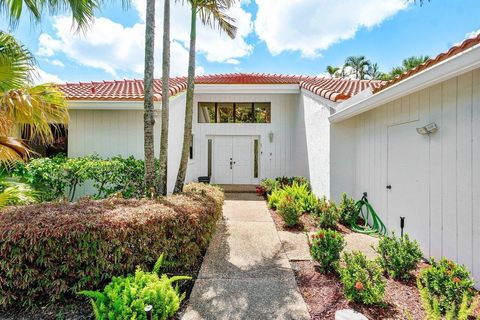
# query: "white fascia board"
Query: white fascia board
{"points": [[452, 67], [113, 105], [326, 102], [247, 88]]}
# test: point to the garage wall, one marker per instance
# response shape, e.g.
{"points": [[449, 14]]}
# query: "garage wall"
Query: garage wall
{"points": [[453, 164], [110, 133]]}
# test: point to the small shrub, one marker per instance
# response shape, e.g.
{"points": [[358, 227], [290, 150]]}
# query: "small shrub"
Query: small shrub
{"points": [[326, 213], [268, 186], [299, 192], [275, 197], [126, 297], [347, 210], [289, 210], [53, 250], [446, 284], [398, 256], [362, 279], [325, 247]]}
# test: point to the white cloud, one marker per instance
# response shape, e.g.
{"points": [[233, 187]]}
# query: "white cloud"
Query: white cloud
{"points": [[114, 48], [310, 26], [44, 77], [472, 34], [57, 63]]}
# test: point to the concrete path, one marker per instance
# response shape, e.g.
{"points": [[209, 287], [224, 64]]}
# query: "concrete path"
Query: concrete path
{"points": [[246, 273]]}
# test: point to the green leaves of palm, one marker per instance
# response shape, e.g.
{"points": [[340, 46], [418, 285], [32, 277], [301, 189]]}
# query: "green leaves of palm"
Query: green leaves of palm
{"points": [[82, 10], [213, 13]]}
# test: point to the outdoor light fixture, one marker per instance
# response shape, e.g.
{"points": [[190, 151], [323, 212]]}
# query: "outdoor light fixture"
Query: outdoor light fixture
{"points": [[270, 136], [429, 128]]}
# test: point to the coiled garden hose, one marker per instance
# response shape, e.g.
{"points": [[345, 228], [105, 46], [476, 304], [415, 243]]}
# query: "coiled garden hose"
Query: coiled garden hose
{"points": [[368, 214]]}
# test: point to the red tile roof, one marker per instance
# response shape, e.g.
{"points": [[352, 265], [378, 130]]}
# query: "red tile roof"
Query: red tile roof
{"points": [[132, 90], [465, 45]]}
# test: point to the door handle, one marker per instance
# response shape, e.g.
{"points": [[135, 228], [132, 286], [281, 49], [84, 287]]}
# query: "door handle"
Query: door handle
{"points": [[389, 187], [231, 164]]}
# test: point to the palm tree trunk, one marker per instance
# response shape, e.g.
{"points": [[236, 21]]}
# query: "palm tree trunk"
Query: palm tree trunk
{"points": [[163, 163], [149, 116], [187, 132]]}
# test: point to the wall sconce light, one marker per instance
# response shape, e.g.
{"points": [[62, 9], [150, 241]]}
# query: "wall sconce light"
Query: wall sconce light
{"points": [[270, 136], [428, 129]]}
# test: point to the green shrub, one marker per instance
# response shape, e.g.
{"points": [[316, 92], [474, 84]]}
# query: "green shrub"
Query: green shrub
{"points": [[289, 210], [299, 192], [52, 250], [127, 297], [326, 213], [398, 256], [362, 279], [433, 312], [269, 185], [347, 210], [325, 247], [60, 177], [446, 284]]}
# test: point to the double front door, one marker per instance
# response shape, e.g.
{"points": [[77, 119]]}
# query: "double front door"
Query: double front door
{"points": [[232, 160]]}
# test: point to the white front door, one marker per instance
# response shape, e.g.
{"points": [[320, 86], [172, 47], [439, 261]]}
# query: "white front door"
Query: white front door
{"points": [[407, 184], [232, 160]]}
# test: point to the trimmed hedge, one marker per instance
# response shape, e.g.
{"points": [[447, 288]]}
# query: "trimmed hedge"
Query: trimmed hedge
{"points": [[53, 250]]}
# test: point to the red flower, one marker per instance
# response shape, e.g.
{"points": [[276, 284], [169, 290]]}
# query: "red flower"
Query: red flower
{"points": [[321, 235], [456, 279], [358, 286]]}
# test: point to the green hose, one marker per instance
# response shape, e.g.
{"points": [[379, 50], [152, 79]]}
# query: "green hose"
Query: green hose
{"points": [[366, 211]]}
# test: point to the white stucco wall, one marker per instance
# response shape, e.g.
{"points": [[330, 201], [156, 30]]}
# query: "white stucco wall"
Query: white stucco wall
{"points": [[448, 164], [313, 128]]}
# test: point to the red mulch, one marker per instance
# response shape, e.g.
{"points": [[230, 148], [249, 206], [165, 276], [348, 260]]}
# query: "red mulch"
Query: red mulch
{"points": [[323, 294]]}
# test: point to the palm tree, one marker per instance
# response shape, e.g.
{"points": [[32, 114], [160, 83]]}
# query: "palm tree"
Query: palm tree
{"points": [[163, 163], [359, 65], [374, 72], [413, 62], [82, 10], [23, 105], [332, 71], [211, 13], [149, 112]]}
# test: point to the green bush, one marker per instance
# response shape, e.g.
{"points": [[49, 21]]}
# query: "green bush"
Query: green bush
{"points": [[269, 185], [60, 177], [275, 197], [326, 213], [289, 210], [362, 279], [52, 250], [446, 284], [325, 247], [127, 297], [398, 256], [347, 210]]}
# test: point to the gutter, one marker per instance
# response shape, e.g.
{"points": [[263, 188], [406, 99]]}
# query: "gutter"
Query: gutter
{"points": [[461, 63]]}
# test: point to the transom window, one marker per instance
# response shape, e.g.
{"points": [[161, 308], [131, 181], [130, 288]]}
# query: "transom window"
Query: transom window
{"points": [[234, 112]]}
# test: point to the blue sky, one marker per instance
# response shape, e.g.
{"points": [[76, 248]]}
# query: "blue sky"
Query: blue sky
{"points": [[276, 36]]}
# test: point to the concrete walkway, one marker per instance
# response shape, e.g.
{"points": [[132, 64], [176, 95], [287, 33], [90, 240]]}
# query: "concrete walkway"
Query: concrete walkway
{"points": [[246, 273]]}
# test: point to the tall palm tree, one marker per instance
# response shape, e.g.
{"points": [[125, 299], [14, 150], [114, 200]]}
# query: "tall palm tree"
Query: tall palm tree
{"points": [[211, 13], [23, 105], [149, 112], [332, 71], [359, 65], [82, 10], [413, 62], [163, 163], [374, 72]]}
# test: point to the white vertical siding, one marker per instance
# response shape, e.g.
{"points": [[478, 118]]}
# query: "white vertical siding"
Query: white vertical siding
{"points": [[453, 164], [275, 157]]}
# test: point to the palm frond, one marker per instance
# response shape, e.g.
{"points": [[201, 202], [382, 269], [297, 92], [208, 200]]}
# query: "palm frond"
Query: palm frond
{"points": [[12, 150], [82, 11], [16, 63], [16, 193], [213, 13], [35, 108]]}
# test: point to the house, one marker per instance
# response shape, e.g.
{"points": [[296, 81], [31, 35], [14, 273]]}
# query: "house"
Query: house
{"points": [[413, 144]]}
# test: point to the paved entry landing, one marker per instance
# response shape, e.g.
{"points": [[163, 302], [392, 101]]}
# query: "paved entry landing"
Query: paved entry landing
{"points": [[245, 273]]}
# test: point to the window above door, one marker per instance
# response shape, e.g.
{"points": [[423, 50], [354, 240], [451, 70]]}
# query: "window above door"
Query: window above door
{"points": [[234, 112]]}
